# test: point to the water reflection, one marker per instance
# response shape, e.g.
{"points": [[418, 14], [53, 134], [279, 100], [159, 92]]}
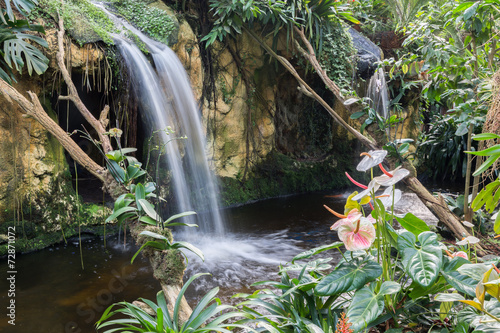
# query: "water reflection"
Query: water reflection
{"points": [[54, 294]]}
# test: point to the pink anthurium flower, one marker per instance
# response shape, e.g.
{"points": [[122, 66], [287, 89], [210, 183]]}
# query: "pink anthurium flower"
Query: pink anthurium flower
{"points": [[353, 216], [390, 178], [371, 159], [461, 254], [357, 236]]}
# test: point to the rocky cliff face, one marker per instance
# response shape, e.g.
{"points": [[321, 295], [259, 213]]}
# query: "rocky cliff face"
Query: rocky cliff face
{"points": [[35, 183]]}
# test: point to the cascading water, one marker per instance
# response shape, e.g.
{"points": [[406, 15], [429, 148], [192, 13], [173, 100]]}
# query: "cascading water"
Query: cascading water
{"points": [[166, 97], [378, 93]]}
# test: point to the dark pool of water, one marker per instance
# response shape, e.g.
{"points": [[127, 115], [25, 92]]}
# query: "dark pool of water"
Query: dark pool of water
{"points": [[54, 293]]}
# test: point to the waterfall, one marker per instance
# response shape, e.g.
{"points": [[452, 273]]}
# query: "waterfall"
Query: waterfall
{"points": [[378, 93], [166, 97]]}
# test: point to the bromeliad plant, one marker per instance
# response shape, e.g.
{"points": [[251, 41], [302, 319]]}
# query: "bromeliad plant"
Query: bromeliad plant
{"points": [[384, 276]]}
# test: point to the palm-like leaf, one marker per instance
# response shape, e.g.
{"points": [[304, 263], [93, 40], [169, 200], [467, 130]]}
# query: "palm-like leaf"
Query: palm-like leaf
{"points": [[23, 6]]}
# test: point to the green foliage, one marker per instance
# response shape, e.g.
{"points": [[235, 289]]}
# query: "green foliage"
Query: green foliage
{"points": [[405, 11], [206, 316], [153, 21], [422, 262], [442, 151], [314, 16], [337, 56], [19, 48], [162, 244]]}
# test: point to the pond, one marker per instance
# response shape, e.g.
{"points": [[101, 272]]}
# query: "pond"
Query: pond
{"points": [[54, 293]]}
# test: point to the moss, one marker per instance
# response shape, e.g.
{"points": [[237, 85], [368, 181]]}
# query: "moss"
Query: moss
{"points": [[168, 267], [280, 175], [337, 56], [32, 237], [83, 21], [153, 21]]}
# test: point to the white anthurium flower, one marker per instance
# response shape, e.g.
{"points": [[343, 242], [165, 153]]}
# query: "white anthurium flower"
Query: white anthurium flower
{"points": [[387, 197], [371, 159], [468, 240], [373, 186], [390, 178], [468, 224]]}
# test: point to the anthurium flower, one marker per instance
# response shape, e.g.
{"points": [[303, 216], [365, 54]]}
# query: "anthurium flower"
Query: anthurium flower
{"points": [[390, 178], [468, 240], [387, 197], [468, 224], [357, 236], [373, 186], [371, 159], [353, 216], [461, 254]]}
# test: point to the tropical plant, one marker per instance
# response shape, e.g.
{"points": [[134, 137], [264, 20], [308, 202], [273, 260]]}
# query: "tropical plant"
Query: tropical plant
{"points": [[313, 16], [489, 197], [207, 315], [383, 276], [18, 51], [137, 203]]}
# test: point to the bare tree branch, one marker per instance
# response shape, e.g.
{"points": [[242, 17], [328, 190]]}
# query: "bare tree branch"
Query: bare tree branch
{"points": [[35, 110], [73, 93]]}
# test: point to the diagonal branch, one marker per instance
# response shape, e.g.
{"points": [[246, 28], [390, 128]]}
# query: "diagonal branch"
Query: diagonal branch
{"points": [[311, 93], [35, 110], [73, 93]]}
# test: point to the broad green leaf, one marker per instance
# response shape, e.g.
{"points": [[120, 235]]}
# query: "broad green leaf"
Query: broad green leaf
{"points": [[316, 250], [413, 224], [190, 247], [351, 101], [315, 265], [495, 150], [483, 167], [389, 288], [461, 283], [475, 271], [422, 262], [119, 212], [347, 277], [485, 136], [177, 216], [148, 220], [140, 194], [149, 209], [116, 171], [444, 309], [367, 305], [357, 115], [154, 235]]}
